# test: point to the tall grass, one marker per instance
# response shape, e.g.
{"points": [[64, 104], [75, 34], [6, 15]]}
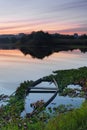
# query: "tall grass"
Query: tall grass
{"points": [[74, 120]]}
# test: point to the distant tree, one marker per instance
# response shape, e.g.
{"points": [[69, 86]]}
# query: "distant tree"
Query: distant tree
{"points": [[84, 36], [76, 35], [37, 38], [13, 40], [4, 40]]}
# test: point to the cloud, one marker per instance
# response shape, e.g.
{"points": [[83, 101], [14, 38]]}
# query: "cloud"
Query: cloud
{"points": [[68, 5], [79, 30], [77, 4]]}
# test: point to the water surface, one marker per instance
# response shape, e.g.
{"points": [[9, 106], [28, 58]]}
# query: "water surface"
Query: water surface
{"points": [[15, 67]]}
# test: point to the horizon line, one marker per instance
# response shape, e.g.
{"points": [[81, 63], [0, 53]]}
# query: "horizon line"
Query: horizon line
{"points": [[49, 32]]}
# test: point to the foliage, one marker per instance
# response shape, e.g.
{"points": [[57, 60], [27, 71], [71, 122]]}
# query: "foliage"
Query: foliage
{"points": [[73, 120], [15, 105], [66, 77], [21, 90]]}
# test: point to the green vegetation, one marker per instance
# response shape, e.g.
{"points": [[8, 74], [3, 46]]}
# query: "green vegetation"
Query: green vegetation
{"points": [[66, 77], [15, 105], [73, 119]]}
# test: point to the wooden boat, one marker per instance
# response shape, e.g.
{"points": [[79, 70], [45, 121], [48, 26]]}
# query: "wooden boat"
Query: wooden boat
{"points": [[42, 105]]}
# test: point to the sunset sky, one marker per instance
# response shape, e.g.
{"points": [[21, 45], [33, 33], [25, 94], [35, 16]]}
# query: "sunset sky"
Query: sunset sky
{"points": [[25, 16]]}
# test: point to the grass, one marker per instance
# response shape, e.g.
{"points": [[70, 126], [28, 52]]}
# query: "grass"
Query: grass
{"points": [[73, 120], [66, 77]]}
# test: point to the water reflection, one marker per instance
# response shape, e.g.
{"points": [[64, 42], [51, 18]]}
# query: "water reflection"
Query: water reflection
{"points": [[74, 102], [41, 52], [15, 67]]}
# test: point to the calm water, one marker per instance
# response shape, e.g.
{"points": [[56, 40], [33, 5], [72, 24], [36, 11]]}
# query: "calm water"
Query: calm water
{"points": [[65, 100], [15, 67]]}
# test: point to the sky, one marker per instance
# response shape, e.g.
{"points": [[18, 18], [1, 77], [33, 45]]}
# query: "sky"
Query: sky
{"points": [[53, 16]]}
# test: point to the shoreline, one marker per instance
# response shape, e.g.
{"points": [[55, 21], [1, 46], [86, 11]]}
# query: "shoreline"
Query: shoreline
{"points": [[16, 102]]}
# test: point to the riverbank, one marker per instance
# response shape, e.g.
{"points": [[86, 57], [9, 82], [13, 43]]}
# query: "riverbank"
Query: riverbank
{"points": [[10, 114]]}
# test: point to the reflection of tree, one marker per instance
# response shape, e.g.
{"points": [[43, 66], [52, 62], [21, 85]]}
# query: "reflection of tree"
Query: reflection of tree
{"points": [[37, 44], [41, 52], [40, 44], [37, 52]]}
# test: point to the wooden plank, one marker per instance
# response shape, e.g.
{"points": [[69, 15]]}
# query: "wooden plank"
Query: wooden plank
{"points": [[36, 111], [50, 90], [32, 91], [51, 99], [46, 88], [55, 84]]}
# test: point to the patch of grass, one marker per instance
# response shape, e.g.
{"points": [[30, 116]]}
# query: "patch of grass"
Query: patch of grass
{"points": [[66, 77], [74, 120]]}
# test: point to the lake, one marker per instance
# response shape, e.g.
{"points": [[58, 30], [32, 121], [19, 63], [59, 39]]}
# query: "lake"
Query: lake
{"points": [[72, 102], [15, 67]]}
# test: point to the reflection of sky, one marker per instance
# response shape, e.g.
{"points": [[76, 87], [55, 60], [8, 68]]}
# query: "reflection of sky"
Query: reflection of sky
{"points": [[15, 67], [54, 16], [58, 100]]}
